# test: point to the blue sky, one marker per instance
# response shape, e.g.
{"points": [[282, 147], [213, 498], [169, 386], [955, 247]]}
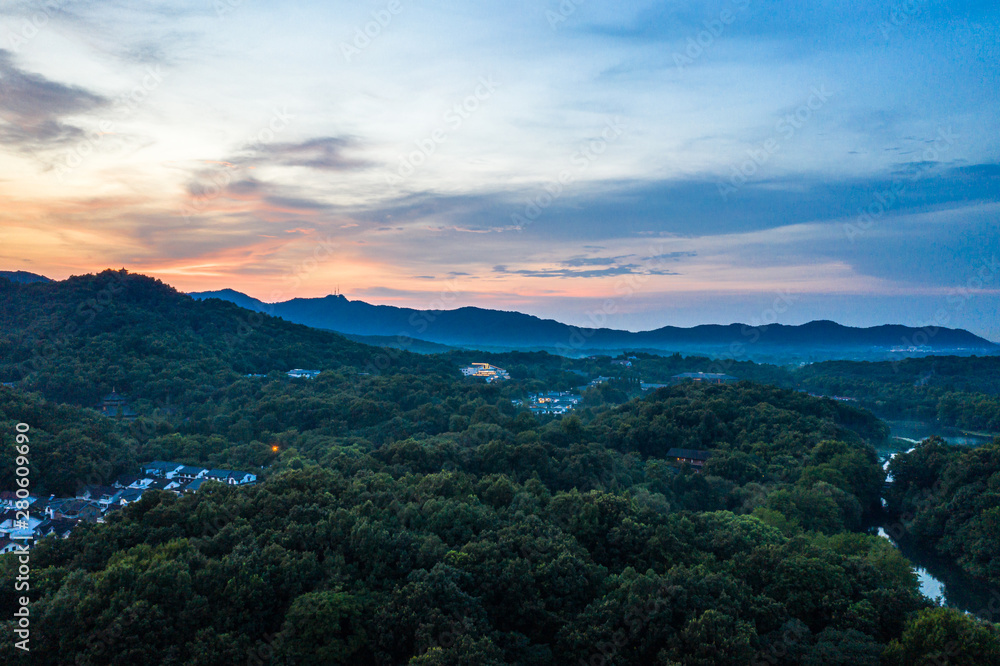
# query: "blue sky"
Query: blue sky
{"points": [[636, 164]]}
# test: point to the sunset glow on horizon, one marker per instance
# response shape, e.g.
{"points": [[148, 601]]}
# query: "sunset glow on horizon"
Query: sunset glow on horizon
{"points": [[526, 156]]}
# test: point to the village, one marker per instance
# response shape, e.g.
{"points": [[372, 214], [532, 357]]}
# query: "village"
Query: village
{"points": [[58, 516], [558, 403]]}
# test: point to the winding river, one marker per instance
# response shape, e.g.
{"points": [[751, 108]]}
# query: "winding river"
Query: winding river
{"points": [[940, 579]]}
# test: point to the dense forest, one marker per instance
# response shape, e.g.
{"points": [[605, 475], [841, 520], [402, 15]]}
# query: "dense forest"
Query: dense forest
{"points": [[407, 514], [963, 392], [948, 497], [954, 391]]}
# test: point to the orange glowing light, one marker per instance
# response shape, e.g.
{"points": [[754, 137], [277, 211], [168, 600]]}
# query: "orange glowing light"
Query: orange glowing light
{"points": [[274, 448]]}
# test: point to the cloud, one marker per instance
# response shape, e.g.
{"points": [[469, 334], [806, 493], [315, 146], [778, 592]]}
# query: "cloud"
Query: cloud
{"points": [[672, 255], [325, 153], [226, 190], [612, 271], [33, 108], [576, 262], [390, 292], [692, 206]]}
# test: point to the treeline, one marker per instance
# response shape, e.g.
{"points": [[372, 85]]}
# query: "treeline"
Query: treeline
{"points": [[948, 497], [962, 392]]}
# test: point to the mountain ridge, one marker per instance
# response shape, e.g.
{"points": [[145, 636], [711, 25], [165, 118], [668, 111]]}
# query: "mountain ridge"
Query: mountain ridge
{"points": [[470, 325], [24, 277]]}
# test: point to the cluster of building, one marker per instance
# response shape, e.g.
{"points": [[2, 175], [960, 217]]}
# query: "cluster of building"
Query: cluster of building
{"points": [[490, 373], [695, 377], [704, 378], [57, 516], [551, 402], [299, 373], [838, 398], [185, 475]]}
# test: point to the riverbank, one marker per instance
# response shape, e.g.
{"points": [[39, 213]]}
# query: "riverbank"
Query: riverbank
{"points": [[941, 579]]}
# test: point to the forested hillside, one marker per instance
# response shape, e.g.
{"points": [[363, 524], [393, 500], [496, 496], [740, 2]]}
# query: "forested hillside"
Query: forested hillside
{"points": [[406, 514], [948, 497], [70, 446], [955, 391], [78, 339]]}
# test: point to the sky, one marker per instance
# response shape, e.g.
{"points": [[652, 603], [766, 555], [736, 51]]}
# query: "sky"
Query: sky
{"points": [[624, 164]]}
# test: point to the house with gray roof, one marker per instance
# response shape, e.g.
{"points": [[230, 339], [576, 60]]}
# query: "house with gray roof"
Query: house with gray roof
{"points": [[193, 486], [161, 468], [231, 477]]}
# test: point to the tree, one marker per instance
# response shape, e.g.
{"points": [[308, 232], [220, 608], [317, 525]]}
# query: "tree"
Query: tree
{"points": [[320, 629], [945, 635]]}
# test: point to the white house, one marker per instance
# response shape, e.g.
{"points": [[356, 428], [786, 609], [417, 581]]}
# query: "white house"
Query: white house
{"points": [[130, 495], [231, 477], [242, 478], [9, 500], [188, 472], [161, 468], [105, 496], [7, 546], [11, 526]]}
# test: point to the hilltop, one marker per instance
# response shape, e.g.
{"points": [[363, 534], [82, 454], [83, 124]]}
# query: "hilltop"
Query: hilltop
{"points": [[77, 339]]}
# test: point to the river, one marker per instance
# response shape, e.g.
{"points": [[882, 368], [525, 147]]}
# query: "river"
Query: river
{"points": [[940, 579]]}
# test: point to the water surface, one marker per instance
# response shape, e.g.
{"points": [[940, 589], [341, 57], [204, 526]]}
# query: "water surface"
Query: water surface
{"points": [[941, 580]]}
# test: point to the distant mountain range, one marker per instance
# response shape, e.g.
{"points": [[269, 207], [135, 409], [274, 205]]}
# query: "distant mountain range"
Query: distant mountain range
{"points": [[498, 330], [495, 330], [23, 277]]}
